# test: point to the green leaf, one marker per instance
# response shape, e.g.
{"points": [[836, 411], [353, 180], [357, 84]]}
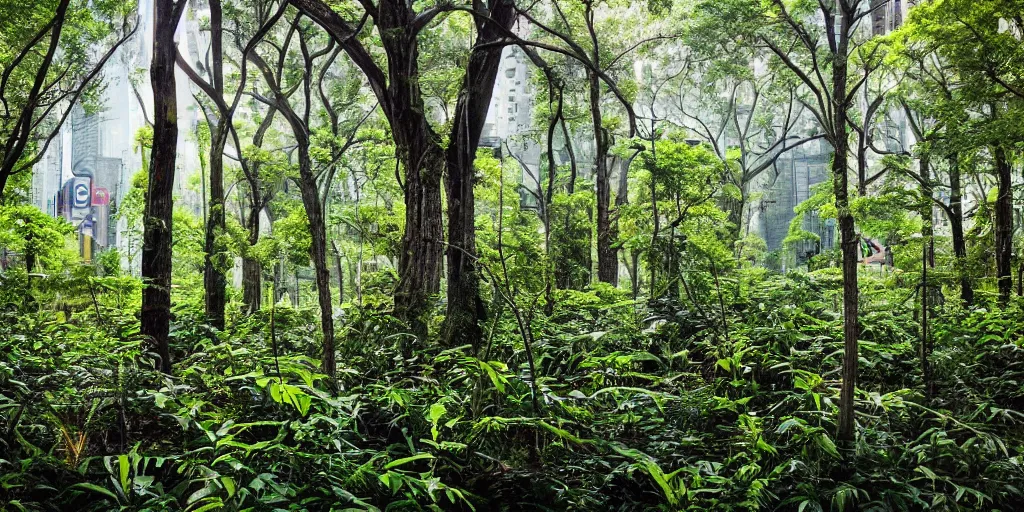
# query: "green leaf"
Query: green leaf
{"points": [[160, 399], [495, 379], [229, 485], [825, 443], [786, 425], [122, 462], [95, 488], [437, 411], [213, 504], [406, 460]]}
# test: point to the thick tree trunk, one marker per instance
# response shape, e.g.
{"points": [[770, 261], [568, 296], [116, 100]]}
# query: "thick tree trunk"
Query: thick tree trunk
{"points": [[607, 257], [156, 245], [1004, 225], [465, 308], [420, 262], [847, 233], [419, 150]]}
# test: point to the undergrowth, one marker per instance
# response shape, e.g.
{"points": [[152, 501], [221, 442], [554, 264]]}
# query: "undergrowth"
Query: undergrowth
{"points": [[668, 405]]}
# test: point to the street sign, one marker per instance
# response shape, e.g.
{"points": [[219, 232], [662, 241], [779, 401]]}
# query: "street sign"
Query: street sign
{"points": [[100, 196]]}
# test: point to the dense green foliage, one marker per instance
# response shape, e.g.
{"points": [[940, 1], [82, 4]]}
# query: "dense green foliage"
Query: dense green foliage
{"points": [[642, 407], [384, 296]]}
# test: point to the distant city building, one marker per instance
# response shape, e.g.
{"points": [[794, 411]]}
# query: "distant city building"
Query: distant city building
{"points": [[87, 170]]}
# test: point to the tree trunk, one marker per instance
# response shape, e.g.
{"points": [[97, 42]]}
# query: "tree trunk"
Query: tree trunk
{"points": [[956, 226], [926, 345], [465, 308], [607, 260], [417, 147], [157, 237], [735, 209], [1004, 225], [927, 230], [655, 216], [30, 256], [340, 271], [1020, 279], [214, 281], [419, 150], [317, 253], [213, 269], [862, 160], [848, 236], [252, 271], [420, 262]]}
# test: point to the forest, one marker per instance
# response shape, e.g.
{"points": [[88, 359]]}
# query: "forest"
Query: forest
{"points": [[504, 255]]}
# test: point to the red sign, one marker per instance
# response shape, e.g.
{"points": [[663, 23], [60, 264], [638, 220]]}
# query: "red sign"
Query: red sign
{"points": [[100, 197]]}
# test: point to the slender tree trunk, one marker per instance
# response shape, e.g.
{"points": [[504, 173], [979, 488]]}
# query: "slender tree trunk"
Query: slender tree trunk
{"points": [[317, 252], [927, 236], [252, 271], [545, 202], [1020, 279], [340, 271], [847, 233], [214, 280], [30, 256], [157, 240], [278, 283], [1004, 225], [926, 197], [862, 161], [607, 260], [655, 216], [956, 225]]}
